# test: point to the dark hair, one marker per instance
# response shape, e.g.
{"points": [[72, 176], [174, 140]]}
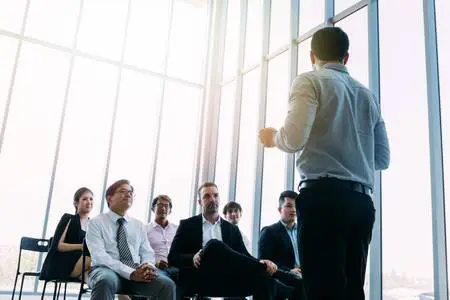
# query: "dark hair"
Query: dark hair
{"points": [[165, 197], [330, 44], [78, 194], [284, 195], [113, 187], [230, 206], [205, 185]]}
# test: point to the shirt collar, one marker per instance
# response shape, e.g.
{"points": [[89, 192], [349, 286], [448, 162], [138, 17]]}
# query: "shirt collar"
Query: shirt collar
{"points": [[206, 221], [154, 224], [114, 217], [335, 66], [286, 226]]}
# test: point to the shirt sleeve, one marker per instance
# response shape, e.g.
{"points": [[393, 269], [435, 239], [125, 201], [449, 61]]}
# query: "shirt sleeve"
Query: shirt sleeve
{"points": [[99, 256], [303, 104], [382, 152]]}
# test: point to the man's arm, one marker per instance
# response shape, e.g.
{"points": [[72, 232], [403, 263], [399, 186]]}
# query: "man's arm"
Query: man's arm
{"points": [[382, 152], [99, 256], [303, 103], [266, 247], [145, 250], [177, 255]]}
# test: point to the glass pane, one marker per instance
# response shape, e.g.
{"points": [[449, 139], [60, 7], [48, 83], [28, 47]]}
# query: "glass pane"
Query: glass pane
{"points": [[180, 126], [11, 15], [134, 136], [9, 50], [53, 21], [232, 39], [253, 33], [407, 232], [28, 152], [280, 20], [312, 14], [356, 28], [340, 5], [103, 38], [443, 28], [248, 142], [187, 54], [85, 137], [225, 141], [147, 34], [274, 173], [304, 60]]}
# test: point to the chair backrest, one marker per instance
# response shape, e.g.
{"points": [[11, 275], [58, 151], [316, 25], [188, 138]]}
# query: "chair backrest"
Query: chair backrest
{"points": [[32, 244]]}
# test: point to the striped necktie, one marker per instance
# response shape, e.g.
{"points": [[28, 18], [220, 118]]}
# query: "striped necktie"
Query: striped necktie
{"points": [[122, 244]]}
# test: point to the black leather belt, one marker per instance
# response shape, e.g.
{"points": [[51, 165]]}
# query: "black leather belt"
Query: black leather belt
{"points": [[337, 184]]}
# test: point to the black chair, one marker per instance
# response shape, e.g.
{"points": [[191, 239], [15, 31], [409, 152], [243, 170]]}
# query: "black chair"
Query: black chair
{"points": [[34, 245], [58, 282]]}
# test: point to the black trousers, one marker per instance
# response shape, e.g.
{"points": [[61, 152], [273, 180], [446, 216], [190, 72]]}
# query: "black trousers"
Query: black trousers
{"points": [[336, 229], [224, 272]]}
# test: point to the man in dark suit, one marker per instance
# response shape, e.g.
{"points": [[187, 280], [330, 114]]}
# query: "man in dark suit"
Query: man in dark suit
{"points": [[279, 242], [212, 257]]}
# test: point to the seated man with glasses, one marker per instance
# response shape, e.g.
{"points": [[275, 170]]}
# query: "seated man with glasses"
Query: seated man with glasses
{"points": [[160, 233], [122, 260]]}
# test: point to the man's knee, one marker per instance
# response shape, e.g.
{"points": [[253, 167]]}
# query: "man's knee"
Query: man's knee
{"points": [[212, 245], [104, 279]]}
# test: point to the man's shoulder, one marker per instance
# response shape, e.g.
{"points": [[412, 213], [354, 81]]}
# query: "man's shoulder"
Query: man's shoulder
{"points": [[190, 220], [271, 228]]}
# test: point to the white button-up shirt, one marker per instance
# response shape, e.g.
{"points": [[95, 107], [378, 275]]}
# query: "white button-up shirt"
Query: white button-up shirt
{"points": [[161, 238], [101, 239], [211, 231]]}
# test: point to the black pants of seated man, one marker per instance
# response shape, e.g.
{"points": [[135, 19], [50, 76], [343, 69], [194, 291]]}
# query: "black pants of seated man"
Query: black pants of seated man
{"points": [[224, 272], [335, 235]]}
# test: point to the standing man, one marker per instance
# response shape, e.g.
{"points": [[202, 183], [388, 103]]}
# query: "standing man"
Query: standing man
{"points": [[334, 126], [121, 258], [232, 212]]}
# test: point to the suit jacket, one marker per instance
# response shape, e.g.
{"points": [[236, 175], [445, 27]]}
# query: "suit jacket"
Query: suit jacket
{"points": [[275, 244], [188, 241]]}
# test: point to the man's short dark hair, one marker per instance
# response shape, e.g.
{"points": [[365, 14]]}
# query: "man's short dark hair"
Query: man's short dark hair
{"points": [[330, 44], [205, 185], [232, 206], [113, 188], [165, 197], [284, 195]]}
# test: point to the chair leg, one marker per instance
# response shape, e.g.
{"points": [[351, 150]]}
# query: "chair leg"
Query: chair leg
{"points": [[14, 288], [59, 290], [21, 287], [43, 290], [80, 293], [55, 290], [65, 290]]}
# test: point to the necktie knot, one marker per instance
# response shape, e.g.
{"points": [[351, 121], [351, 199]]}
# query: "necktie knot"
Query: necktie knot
{"points": [[120, 221]]}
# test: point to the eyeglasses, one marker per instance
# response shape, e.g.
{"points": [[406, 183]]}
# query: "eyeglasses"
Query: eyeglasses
{"points": [[124, 192], [162, 205]]}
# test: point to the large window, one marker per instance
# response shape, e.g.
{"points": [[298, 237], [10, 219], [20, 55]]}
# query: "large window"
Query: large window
{"points": [[28, 149], [443, 28], [406, 197], [248, 141], [100, 90], [274, 171]]}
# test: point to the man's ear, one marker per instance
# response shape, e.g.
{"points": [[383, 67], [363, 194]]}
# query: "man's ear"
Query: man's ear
{"points": [[312, 56], [345, 59], [279, 210]]}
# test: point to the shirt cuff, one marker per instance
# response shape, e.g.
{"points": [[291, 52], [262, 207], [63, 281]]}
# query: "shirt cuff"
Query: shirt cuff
{"points": [[125, 271]]}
